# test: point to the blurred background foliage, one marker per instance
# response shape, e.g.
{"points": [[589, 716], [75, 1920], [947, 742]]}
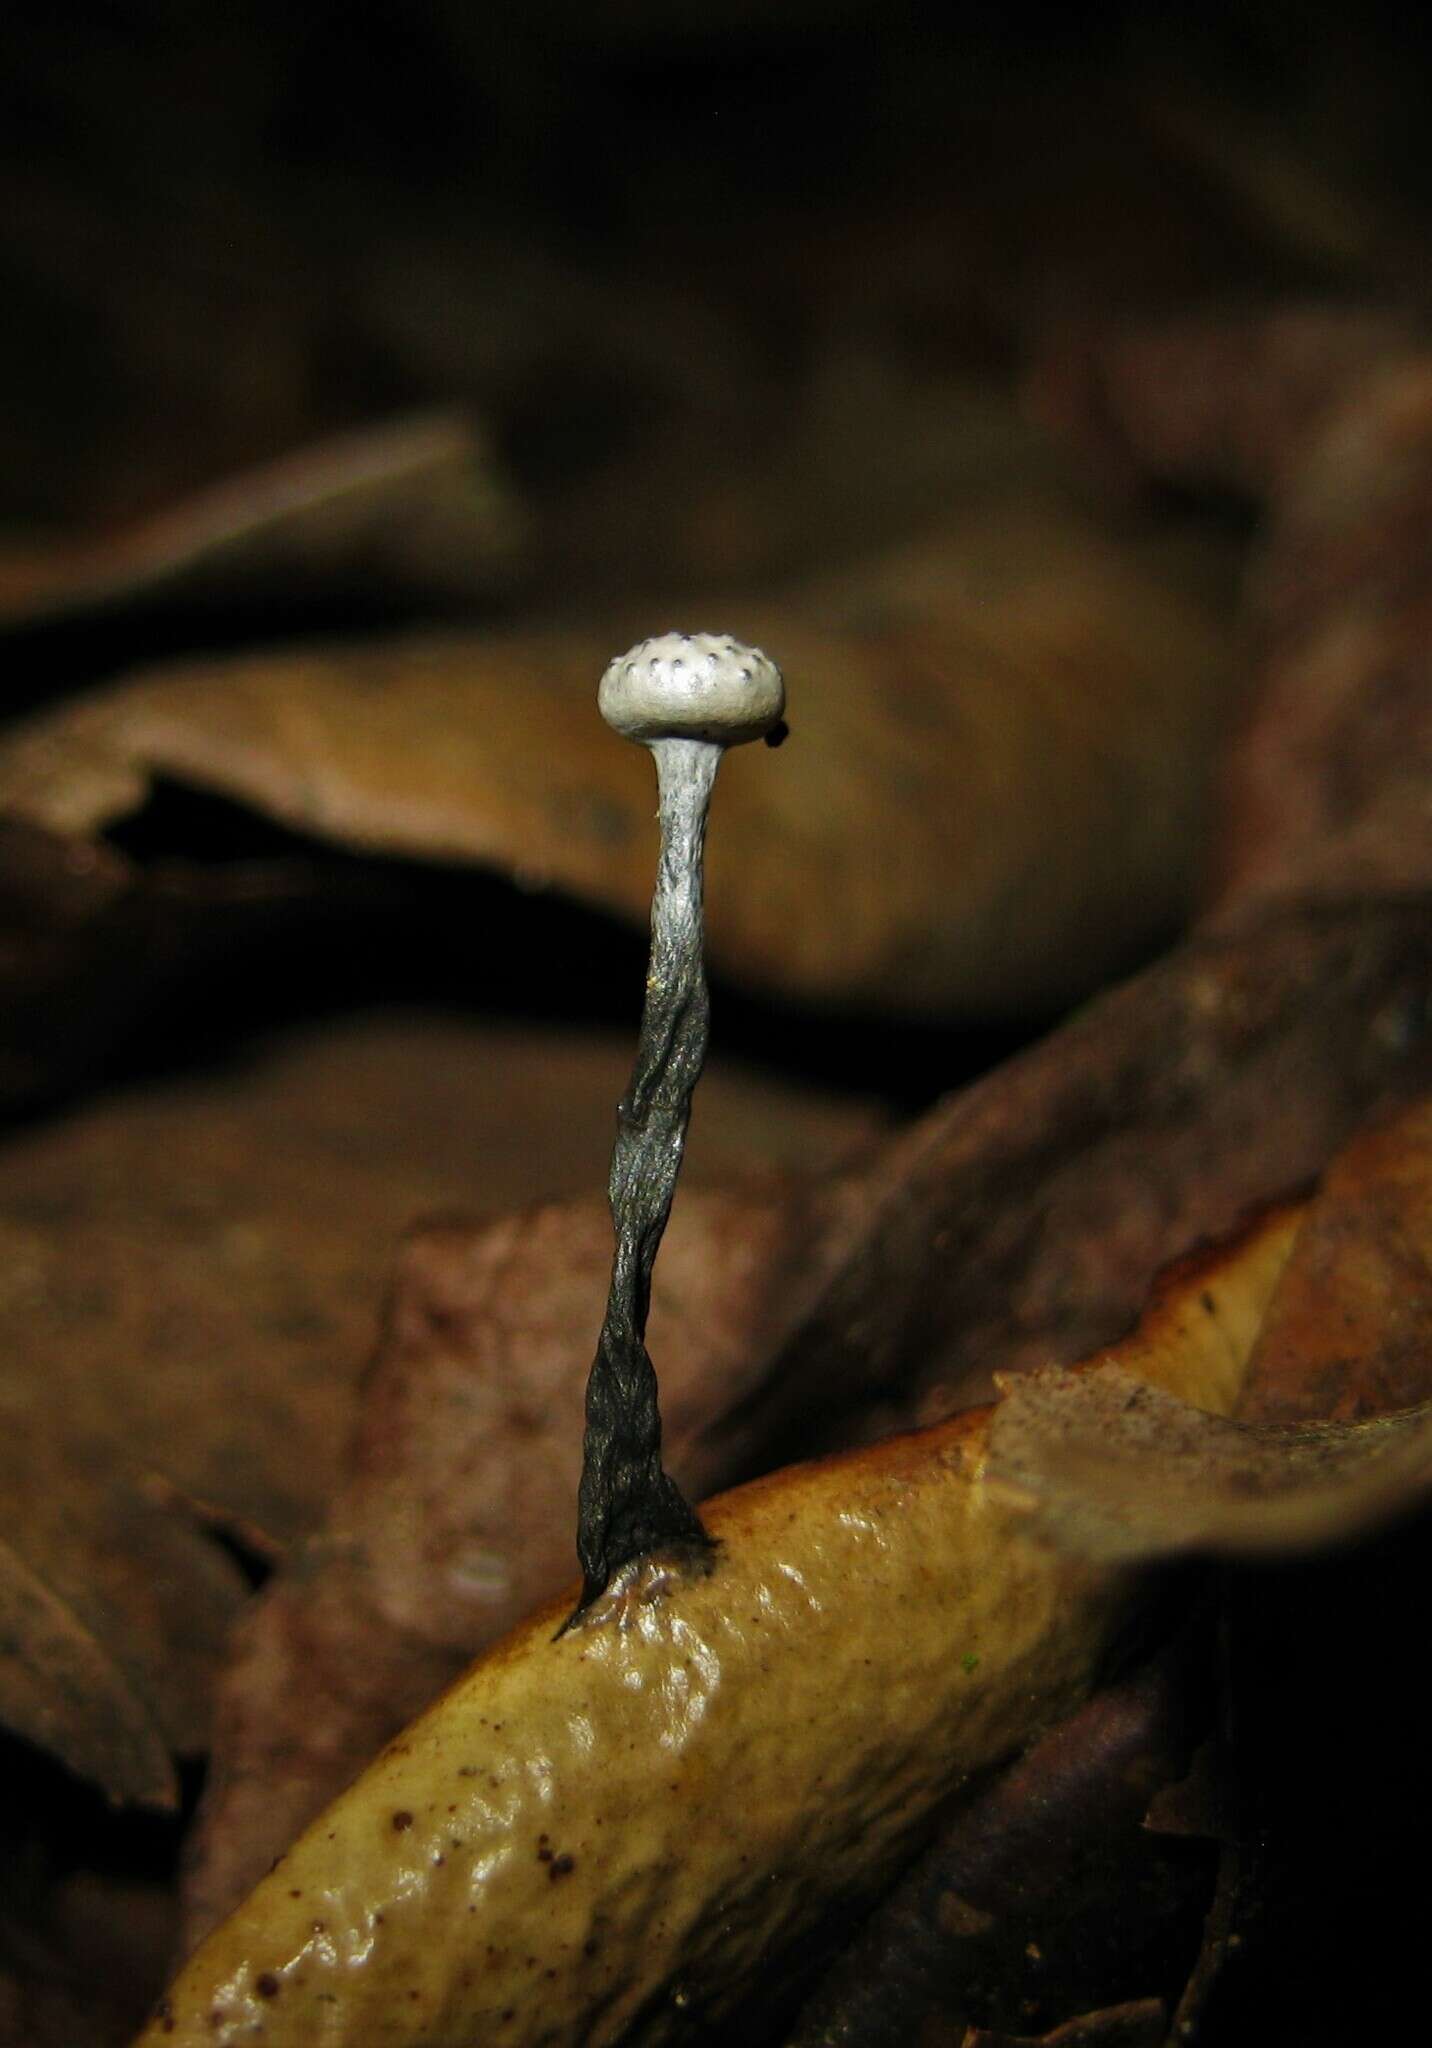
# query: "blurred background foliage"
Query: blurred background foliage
{"points": [[227, 232]]}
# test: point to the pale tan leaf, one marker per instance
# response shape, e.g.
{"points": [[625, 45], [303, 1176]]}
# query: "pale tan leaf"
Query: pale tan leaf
{"points": [[993, 795]]}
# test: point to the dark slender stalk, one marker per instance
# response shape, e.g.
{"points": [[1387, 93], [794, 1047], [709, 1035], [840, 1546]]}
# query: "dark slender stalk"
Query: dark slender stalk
{"points": [[628, 1506]]}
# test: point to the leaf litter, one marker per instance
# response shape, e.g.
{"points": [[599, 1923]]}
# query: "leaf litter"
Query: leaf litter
{"points": [[192, 1271], [1023, 1220], [999, 1231], [1110, 1469], [1377, 949], [1374, 945]]}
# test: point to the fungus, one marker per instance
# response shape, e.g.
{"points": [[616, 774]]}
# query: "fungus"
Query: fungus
{"points": [[686, 696]]}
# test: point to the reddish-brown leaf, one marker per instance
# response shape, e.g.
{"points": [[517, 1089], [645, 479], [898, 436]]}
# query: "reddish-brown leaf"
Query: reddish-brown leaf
{"points": [[1349, 1333], [1325, 415]]}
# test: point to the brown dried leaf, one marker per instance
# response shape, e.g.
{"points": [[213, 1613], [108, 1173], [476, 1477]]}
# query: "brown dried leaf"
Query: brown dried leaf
{"points": [[90, 943], [118, 1608], [413, 507], [1066, 692], [186, 1301], [1114, 1468], [1349, 1333], [1325, 414], [1327, 792], [1228, 398], [172, 1249], [1022, 1222], [61, 1690]]}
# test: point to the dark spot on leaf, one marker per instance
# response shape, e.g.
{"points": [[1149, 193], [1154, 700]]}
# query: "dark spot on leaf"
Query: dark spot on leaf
{"points": [[267, 1986], [562, 1866], [402, 1819]]}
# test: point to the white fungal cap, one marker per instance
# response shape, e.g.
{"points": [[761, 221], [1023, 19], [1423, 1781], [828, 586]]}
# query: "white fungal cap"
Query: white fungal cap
{"points": [[692, 686]]}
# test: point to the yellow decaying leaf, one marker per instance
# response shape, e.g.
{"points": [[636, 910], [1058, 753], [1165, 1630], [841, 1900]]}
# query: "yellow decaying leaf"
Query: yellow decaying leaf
{"points": [[598, 1835]]}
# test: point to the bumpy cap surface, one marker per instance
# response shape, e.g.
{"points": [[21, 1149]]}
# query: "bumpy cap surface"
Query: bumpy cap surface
{"points": [[692, 686]]}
